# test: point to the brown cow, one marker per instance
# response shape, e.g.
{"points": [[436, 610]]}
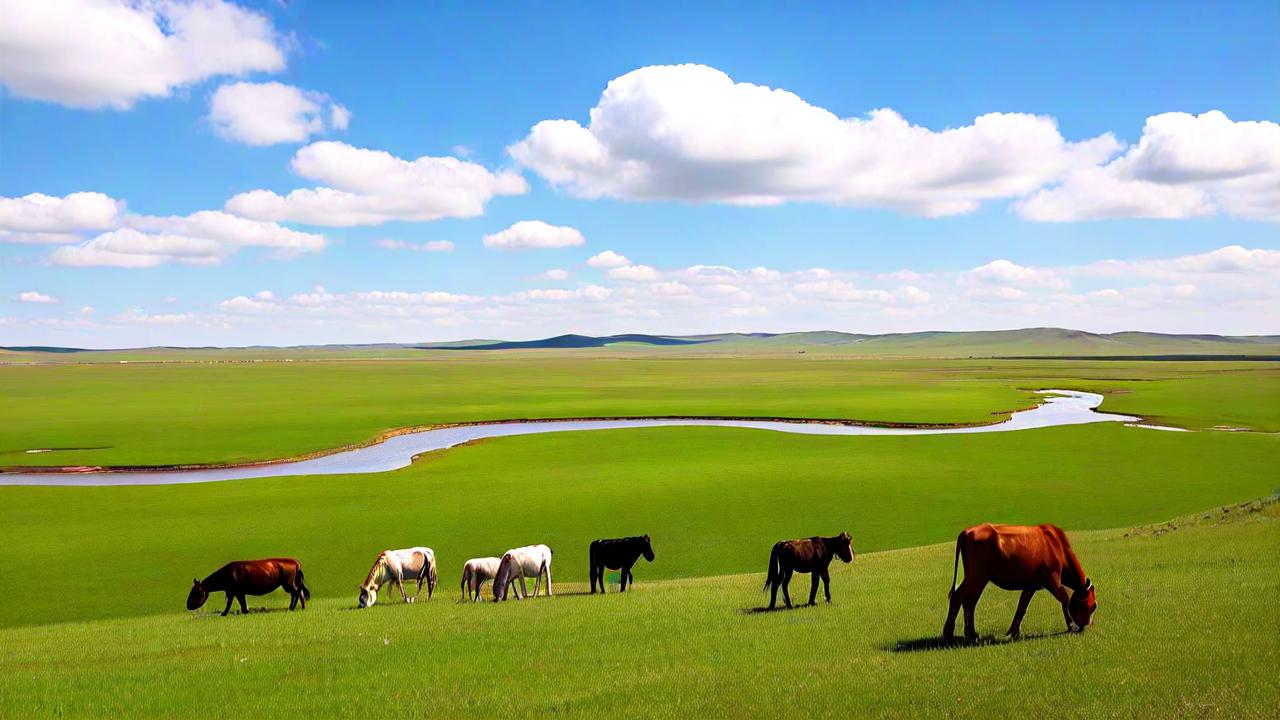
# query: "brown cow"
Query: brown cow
{"points": [[809, 555], [251, 577], [1018, 557]]}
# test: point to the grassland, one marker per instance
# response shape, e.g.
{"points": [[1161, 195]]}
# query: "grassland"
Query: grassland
{"points": [[202, 413], [1186, 627]]}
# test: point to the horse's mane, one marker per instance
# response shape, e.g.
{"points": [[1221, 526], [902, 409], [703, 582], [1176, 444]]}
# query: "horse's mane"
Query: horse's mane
{"points": [[377, 574]]}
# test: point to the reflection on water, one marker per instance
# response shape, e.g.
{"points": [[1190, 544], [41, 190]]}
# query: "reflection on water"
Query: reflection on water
{"points": [[1062, 407]]}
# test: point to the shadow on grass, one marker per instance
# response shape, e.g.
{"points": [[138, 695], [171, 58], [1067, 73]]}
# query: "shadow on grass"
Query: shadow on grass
{"points": [[936, 642], [780, 608]]}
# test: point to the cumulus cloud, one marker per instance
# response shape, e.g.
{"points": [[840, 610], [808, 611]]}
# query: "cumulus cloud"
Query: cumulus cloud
{"points": [[530, 234], [555, 274], [45, 218], [1183, 166], [1010, 273], [607, 259], [371, 187], [38, 298], [429, 246], [203, 238], [111, 53], [272, 112], [689, 132], [636, 273]]}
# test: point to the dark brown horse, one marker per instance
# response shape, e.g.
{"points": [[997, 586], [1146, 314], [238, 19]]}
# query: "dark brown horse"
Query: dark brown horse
{"points": [[617, 554], [251, 577], [1018, 557], [810, 555]]}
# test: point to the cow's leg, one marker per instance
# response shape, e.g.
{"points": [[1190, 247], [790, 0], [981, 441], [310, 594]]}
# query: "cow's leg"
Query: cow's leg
{"points": [[230, 598], [625, 577], [815, 578], [1063, 595], [786, 583], [293, 599], [1015, 628], [773, 589], [955, 599], [826, 583], [592, 572], [244, 609], [971, 598]]}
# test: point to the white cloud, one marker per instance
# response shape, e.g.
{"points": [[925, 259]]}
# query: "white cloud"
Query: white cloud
{"points": [[137, 316], [203, 238], [555, 274], [607, 259], [1183, 166], [110, 53], [272, 112], [56, 218], [689, 132], [86, 310], [429, 246], [528, 234], [39, 298], [1010, 273], [636, 273], [371, 187]]}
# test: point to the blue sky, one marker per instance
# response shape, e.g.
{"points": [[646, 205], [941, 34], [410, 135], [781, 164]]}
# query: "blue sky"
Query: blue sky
{"points": [[1126, 174]]}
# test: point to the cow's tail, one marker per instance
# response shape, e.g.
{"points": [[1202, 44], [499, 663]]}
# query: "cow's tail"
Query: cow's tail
{"points": [[955, 568], [306, 591], [774, 573]]}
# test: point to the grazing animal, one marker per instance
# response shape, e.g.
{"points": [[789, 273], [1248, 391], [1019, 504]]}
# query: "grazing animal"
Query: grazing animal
{"points": [[519, 563], [251, 577], [1018, 557], [416, 563], [475, 573], [810, 555], [617, 554]]}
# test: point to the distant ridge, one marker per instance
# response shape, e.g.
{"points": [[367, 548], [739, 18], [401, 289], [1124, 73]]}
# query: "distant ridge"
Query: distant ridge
{"points": [[570, 342]]}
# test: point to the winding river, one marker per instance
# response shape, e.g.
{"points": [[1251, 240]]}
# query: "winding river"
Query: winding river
{"points": [[1061, 407]]}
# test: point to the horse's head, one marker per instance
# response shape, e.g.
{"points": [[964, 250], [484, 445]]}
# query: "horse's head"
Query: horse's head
{"points": [[844, 547], [648, 549], [500, 580], [197, 596], [1083, 604], [368, 595]]}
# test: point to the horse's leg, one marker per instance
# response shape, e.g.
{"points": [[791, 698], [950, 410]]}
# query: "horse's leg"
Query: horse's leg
{"points": [[826, 582], [631, 579], [1015, 628], [773, 592], [403, 595], [815, 578], [970, 603], [786, 584], [244, 609], [230, 598], [548, 570]]}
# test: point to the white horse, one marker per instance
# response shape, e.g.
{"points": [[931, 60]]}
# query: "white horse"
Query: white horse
{"points": [[475, 573], [412, 563], [519, 563]]}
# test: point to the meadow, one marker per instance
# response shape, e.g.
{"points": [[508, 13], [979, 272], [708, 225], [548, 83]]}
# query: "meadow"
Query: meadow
{"points": [[1186, 627]]}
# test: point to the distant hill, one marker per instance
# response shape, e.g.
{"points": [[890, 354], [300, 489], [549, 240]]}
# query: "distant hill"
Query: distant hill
{"points": [[568, 342]]}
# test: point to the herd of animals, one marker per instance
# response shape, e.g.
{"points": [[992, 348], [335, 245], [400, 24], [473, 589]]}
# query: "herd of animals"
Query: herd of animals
{"points": [[1026, 558]]}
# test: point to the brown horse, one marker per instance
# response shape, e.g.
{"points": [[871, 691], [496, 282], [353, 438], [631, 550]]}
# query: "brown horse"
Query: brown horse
{"points": [[1018, 557], [810, 555], [251, 577]]}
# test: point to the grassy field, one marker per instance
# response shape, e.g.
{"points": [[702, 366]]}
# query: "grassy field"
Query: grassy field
{"points": [[1186, 627], [714, 500], [200, 413]]}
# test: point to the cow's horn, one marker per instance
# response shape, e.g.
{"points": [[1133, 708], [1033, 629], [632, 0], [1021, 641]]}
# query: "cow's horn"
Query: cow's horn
{"points": [[1088, 583]]}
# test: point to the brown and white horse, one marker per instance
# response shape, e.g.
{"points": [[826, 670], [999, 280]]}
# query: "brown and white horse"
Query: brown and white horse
{"points": [[416, 563], [519, 563], [475, 573]]}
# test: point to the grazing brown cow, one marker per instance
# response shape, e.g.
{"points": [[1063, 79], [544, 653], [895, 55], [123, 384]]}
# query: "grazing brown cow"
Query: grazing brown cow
{"points": [[1018, 557], [252, 577], [810, 555]]}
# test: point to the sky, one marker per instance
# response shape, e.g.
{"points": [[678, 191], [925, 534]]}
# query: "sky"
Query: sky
{"points": [[222, 173]]}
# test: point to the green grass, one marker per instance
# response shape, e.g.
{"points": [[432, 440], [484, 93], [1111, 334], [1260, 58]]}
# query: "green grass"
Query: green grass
{"points": [[713, 499], [201, 413], [1186, 627]]}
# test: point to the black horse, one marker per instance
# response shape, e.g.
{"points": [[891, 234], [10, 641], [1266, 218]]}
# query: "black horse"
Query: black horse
{"points": [[808, 555], [617, 554]]}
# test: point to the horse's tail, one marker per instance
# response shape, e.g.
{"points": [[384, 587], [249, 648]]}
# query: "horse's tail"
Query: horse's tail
{"points": [[466, 580], [431, 576], [774, 573], [302, 585], [955, 568]]}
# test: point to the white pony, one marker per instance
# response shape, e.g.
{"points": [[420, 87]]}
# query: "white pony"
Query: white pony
{"points": [[475, 573], [519, 563], [412, 563]]}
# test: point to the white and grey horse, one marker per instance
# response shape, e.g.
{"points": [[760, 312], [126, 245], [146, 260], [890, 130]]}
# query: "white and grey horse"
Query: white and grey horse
{"points": [[519, 563], [475, 573], [416, 563]]}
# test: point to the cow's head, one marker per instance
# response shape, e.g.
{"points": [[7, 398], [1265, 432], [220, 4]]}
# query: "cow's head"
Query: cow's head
{"points": [[368, 595], [1083, 604], [648, 549], [844, 548], [197, 596]]}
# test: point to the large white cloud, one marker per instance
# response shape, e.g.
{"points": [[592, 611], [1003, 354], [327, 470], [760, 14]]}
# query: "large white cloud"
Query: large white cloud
{"points": [[272, 112], [44, 218], [689, 132], [370, 187], [36, 297], [203, 238], [533, 234], [1183, 166], [111, 53]]}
